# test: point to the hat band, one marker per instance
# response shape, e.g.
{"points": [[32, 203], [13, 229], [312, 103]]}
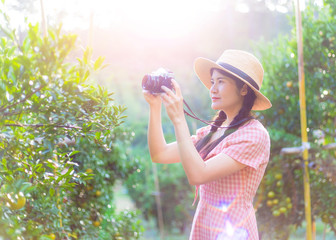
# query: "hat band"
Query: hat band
{"points": [[239, 73]]}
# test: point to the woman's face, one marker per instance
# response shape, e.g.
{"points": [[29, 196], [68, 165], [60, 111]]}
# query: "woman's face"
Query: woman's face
{"points": [[224, 93]]}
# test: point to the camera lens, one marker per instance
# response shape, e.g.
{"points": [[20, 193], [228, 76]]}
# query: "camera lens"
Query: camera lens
{"points": [[153, 82]]}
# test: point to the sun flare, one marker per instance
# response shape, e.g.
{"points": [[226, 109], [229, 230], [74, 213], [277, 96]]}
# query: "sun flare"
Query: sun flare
{"points": [[149, 18]]}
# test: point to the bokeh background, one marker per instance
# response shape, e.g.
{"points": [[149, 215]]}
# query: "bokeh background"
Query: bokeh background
{"points": [[138, 199]]}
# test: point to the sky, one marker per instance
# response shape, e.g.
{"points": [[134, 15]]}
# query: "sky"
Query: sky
{"points": [[152, 18], [147, 17]]}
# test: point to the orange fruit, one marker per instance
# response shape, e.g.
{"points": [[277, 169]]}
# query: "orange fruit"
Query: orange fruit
{"points": [[271, 194], [289, 84], [52, 236], [276, 213], [283, 209], [96, 223], [20, 203]]}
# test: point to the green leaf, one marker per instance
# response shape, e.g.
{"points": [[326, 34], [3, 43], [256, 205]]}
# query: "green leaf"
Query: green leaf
{"points": [[72, 163], [73, 153], [98, 63], [98, 134], [87, 55], [4, 164], [87, 74], [51, 192]]}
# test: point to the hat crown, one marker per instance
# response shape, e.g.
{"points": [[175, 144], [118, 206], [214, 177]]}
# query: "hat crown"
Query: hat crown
{"points": [[245, 62]]}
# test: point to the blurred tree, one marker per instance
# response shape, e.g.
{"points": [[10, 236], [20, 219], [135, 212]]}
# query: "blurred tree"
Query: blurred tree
{"points": [[61, 144], [282, 203], [27, 6]]}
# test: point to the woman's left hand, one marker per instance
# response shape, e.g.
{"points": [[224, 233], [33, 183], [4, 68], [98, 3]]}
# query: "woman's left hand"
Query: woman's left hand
{"points": [[173, 103]]}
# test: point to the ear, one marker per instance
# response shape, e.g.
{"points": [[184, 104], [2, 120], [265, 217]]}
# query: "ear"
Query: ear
{"points": [[243, 90]]}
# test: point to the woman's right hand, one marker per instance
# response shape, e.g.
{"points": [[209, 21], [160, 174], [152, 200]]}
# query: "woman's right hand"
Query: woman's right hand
{"points": [[153, 100]]}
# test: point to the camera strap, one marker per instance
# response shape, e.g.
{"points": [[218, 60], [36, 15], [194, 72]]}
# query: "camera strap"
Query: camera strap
{"points": [[193, 115]]}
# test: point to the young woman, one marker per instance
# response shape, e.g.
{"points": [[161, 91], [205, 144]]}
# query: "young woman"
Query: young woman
{"points": [[225, 160]]}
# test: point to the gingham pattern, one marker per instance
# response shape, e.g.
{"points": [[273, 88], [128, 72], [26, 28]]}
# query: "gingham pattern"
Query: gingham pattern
{"points": [[225, 209]]}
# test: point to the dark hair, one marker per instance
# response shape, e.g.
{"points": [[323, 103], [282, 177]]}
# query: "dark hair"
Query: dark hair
{"points": [[244, 112]]}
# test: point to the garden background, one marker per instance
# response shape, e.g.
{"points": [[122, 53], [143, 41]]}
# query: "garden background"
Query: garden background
{"points": [[73, 119]]}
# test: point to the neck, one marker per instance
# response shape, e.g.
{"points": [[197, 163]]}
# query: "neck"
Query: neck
{"points": [[230, 115]]}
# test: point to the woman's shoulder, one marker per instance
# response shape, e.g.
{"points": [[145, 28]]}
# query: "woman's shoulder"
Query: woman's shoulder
{"points": [[203, 131], [253, 130]]}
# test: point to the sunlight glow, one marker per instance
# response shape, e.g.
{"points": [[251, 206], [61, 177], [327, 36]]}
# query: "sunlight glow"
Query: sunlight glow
{"points": [[230, 232], [150, 18], [229, 229], [242, 7]]}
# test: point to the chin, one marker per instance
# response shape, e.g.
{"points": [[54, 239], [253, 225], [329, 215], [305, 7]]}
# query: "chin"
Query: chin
{"points": [[214, 107]]}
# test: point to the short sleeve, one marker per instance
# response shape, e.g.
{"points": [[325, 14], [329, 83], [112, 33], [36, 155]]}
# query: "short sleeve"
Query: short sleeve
{"points": [[250, 147], [200, 133]]}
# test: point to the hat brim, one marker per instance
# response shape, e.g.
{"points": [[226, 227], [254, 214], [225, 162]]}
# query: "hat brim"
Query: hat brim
{"points": [[202, 67]]}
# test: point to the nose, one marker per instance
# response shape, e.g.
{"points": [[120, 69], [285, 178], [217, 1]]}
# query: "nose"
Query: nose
{"points": [[213, 88]]}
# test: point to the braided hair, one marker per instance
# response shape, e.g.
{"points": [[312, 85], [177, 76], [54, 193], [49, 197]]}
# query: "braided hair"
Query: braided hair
{"points": [[243, 113]]}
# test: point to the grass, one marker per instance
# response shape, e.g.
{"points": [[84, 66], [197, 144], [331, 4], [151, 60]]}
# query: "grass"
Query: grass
{"points": [[152, 233], [322, 233], [121, 198]]}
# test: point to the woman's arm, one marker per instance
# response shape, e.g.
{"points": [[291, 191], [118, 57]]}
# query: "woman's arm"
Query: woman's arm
{"points": [[159, 150], [197, 171]]}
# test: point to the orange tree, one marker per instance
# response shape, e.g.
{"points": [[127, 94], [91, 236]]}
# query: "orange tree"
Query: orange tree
{"points": [[281, 201], [61, 144]]}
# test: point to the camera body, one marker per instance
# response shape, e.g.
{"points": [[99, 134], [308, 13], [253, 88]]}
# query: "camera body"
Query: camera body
{"points": [[153, 82]]}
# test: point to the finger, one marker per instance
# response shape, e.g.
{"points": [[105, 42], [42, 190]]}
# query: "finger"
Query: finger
{"points": [[177, 88], [166, 98], [168, 91], [149, 94]]}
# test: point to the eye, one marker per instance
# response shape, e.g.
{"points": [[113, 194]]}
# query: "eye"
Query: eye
{"points": [[212, 82], [221, 81]]}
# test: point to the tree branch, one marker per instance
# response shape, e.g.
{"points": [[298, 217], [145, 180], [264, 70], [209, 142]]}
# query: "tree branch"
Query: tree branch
{"points": [[331, 224], [12, 113], [42, 125], [22, 100]]}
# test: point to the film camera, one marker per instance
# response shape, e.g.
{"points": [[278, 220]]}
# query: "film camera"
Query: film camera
{"points": [[153, 82]]}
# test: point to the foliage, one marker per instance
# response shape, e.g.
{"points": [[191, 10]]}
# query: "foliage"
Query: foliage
{"points": [[61, 147], [125, 225], [176, 194], [282, 204]]}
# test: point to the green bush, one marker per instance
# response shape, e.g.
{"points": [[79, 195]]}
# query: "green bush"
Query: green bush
{"points": [[281, 194], [61, 143], [176, 194]]}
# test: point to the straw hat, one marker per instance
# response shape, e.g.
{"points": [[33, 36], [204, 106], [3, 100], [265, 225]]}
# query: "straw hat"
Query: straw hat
{"points": [[240, 64]]}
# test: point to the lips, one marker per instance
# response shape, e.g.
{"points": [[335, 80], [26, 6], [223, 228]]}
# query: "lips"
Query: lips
{"points": [[215, 98]]}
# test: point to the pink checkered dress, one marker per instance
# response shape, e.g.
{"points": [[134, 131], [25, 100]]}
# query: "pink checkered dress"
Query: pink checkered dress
{"points": [[225, 209]]}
